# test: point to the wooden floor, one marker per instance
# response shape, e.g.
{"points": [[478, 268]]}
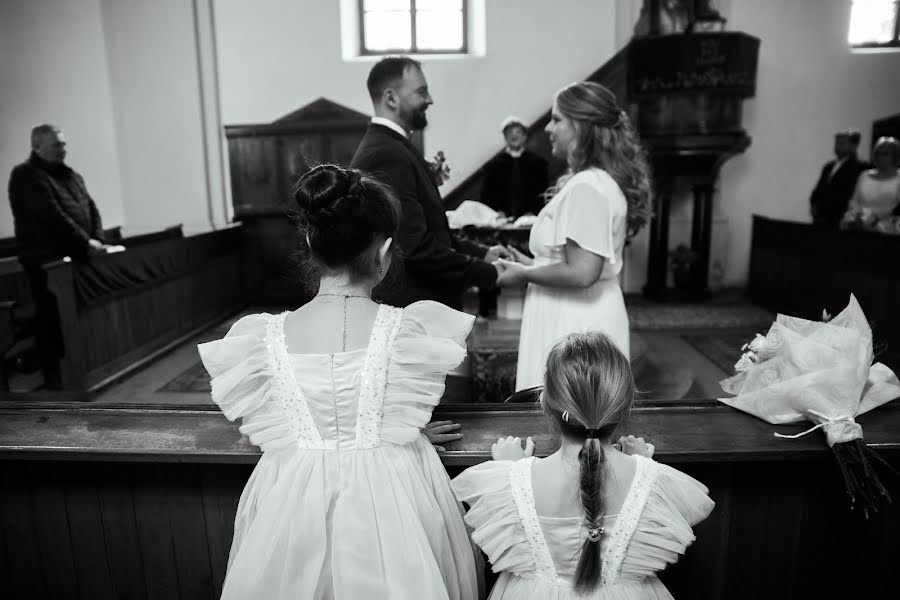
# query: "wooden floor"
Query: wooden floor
{"points": [[668, 360]]}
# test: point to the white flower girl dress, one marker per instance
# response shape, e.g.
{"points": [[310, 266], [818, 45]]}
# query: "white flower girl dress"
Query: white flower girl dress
{"points": [[349, 500]]}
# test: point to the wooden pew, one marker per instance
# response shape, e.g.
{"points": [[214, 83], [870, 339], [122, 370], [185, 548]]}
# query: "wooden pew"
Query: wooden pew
{"points": [[120, 311], [139, 501]]}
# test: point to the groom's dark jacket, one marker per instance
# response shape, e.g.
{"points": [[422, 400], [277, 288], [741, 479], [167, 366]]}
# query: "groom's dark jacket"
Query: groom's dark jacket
{"points": [[434, 265]]}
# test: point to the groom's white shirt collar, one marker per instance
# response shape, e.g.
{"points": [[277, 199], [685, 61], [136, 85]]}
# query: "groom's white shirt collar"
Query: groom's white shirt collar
{"points": [[390, 125]]}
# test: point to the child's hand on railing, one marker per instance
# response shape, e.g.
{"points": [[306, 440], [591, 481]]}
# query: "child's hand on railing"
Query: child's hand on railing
{"points": [[510, 448], [632, 445]]}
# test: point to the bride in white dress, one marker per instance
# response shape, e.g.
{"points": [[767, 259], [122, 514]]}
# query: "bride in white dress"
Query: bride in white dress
{"points": [[578, 237], [349, 499]]}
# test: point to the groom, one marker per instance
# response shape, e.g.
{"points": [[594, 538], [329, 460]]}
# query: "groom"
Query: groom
{"points": [[436, 266]]}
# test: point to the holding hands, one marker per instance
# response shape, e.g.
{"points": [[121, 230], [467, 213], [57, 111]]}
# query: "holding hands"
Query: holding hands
{"points": [[498, 252], [510, 448]]}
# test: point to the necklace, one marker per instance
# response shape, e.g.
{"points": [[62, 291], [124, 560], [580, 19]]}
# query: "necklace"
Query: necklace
{"points": [[345, 297]]}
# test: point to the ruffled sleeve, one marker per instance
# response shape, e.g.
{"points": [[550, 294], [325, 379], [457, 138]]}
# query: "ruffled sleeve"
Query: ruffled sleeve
{"points": [[493, 516], [239, 367], [430, 341], [675, 504], [591, 216]]}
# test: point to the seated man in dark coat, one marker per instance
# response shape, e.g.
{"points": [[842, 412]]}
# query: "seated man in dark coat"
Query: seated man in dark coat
{"points": [[837, 181], [54, 217], [516, 179], [436, 265]]}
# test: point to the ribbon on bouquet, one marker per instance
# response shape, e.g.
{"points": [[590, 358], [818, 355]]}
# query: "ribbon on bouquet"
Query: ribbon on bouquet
{"points": [[837, 430]]}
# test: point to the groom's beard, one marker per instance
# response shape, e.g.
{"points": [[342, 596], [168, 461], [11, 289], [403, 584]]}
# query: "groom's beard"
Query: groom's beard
{"points": [[416, 117]]}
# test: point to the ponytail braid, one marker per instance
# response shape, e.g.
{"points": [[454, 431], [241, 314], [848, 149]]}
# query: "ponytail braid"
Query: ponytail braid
{"points": [[592, 466]]}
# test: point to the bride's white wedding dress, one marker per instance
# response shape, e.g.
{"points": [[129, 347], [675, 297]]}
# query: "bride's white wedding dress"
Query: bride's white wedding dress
{"points": [[590, 210]]}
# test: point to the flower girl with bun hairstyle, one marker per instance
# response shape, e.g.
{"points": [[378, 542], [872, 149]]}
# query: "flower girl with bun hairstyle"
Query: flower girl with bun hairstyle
{"points": [[349, 498], [590, 520]]}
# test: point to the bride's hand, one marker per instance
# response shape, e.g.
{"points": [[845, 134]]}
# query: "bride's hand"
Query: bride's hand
{"points": [[520, 257], [512, 274]]}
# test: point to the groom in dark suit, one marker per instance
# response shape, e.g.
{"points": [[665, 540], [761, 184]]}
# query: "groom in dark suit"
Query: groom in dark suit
{"points": [[832, 193], [435, 265]]}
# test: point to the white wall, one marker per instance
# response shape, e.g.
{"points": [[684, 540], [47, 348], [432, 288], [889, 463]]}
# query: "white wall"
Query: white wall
{"points": [[123, 79], [278, 55], [53, 68], [809, 85], [154, 71]]}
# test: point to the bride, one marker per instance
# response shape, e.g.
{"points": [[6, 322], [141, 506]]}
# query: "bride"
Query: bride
{"points": [[577, 240]]}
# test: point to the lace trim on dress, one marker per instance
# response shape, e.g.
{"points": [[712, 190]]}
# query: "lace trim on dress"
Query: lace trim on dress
{"points": [[644, 480], [287, 391], [373, 379], [523, 494]]}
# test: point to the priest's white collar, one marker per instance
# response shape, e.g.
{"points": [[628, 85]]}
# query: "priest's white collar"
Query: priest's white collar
{"points": [[390, 125]]}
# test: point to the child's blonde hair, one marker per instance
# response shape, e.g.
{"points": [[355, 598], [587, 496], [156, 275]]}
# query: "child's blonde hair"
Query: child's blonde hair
{"points": [[588, 393]]}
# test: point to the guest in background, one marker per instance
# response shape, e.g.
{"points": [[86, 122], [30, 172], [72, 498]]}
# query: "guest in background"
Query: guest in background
{"points": [[877, 193], [54, 217], [516, 179], [579, 236], [832, 193], [437, 266]]}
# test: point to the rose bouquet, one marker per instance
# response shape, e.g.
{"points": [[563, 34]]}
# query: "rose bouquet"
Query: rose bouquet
{"points": [[820, 371]]}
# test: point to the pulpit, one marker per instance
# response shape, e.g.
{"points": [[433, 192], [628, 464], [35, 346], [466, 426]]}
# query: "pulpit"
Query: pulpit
{"points": [[685, 92]]}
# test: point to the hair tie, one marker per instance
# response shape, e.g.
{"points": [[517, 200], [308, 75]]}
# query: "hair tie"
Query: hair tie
{"points": [[565, 416], [592, 433], [595, 532]]}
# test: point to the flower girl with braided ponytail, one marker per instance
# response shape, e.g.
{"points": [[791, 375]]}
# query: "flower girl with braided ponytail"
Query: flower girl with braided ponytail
{"points": [[590, 520]]}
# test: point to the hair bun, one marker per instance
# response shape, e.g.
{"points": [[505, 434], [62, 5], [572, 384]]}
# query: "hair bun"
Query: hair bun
{"points": [[328, 194]]}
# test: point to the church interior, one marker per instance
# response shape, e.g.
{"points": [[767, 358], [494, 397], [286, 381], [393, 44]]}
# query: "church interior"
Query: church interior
{"points": [[189, 122]]}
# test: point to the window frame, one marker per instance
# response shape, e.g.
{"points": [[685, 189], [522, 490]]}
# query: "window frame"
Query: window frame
{"points": [[892, 44], [363, 51]]}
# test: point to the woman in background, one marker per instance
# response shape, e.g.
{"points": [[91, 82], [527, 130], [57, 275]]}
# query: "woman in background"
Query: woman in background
{"points": [[877, 194]]}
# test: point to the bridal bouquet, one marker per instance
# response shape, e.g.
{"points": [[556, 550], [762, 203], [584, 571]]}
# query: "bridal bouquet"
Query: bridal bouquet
{"points": [[439, 169], [820, 371]]}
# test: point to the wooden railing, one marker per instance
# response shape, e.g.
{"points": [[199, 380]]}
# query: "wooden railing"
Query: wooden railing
{"points": [[120, 311], [139, 502]]}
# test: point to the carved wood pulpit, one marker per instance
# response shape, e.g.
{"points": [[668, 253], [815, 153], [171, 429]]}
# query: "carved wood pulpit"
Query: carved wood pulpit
{"points": [[686, 92]]}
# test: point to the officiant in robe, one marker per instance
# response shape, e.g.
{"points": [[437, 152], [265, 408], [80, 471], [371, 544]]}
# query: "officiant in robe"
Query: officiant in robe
{"points": [[516, 179]]}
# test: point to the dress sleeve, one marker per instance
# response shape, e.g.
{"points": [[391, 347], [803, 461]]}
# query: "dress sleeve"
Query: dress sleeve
{"points": [[239, 367], [591, 218], [493, 516], [430, 341], [675, 504]]}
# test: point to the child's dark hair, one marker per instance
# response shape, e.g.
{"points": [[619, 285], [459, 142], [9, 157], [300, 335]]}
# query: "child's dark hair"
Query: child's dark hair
{"points": [[341, 213], [588, 393]]}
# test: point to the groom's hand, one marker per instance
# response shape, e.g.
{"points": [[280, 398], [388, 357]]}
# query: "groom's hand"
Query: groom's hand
{"points": [[441, 432]]}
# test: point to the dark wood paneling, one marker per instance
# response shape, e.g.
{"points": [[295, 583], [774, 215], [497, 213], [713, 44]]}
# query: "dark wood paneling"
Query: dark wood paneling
{"points": [[267, 158], [112, 336], [780, 530]]}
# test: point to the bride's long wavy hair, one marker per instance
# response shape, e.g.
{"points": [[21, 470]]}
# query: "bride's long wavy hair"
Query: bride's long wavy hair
{"points": [[606, 138]]}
